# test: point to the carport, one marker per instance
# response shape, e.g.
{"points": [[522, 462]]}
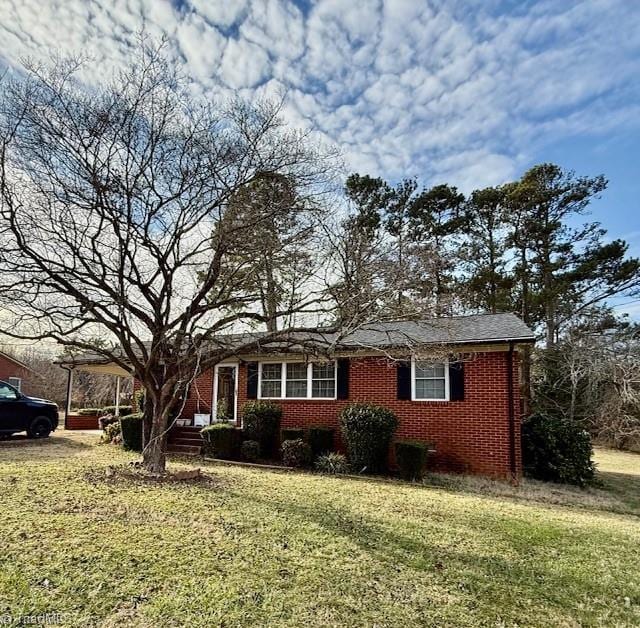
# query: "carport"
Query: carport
{"points": [[89, 364]]}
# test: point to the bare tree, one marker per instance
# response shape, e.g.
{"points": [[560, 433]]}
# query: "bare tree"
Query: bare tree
{"points": [[593, 376], [117, 221]]}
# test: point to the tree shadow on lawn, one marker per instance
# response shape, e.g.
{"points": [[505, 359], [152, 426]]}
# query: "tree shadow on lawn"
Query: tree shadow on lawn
{"points": [[534, 570], [20, 447], [625, 486]]}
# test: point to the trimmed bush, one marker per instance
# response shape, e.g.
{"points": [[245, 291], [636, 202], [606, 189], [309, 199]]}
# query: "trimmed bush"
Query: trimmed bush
{"points": [[292, 433], [333, 463], [132, 431], [320, 440], [221, 440], [411, 456], [367, 430], [556, 449], [124, 410], [296, 453], [250, 450], [261, 422], [88, 411]]}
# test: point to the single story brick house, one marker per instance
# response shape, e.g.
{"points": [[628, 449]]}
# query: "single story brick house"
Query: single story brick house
{"points": [[452, 382]]}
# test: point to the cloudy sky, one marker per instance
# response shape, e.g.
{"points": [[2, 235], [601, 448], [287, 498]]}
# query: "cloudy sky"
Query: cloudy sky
{"points": [[469, 92]]}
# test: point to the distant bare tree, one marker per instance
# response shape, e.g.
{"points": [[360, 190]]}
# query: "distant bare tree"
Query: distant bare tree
{"points": [[117, 222], [594, 377]]}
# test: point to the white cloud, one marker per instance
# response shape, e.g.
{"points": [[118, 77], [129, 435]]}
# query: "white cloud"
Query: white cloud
{"points": [[438, 90], [223, 14], [244, 64], [201, 44]]}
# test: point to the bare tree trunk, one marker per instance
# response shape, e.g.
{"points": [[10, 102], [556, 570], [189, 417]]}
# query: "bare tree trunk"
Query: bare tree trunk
{"points": [[153, 456]]}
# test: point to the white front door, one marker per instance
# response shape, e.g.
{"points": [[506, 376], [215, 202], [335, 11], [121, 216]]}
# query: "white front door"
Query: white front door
{"points": [[225, 392]]}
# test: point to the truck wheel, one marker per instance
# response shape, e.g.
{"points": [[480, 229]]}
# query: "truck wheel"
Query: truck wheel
{"points": [[40, 427]]}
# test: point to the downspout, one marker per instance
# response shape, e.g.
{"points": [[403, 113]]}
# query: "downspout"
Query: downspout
{"points": [[511, 410]]}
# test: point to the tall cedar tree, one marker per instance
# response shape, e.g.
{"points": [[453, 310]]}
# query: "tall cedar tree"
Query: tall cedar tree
{"points": [[270, 255]]}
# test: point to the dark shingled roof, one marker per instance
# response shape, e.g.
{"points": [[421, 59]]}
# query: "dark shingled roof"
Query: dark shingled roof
{"points": [[454, 330]]}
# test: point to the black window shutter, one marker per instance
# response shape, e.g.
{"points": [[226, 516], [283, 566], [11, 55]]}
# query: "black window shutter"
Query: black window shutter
{"points": [[252, 380], [456, 381], [343, 378], [404, 380]]}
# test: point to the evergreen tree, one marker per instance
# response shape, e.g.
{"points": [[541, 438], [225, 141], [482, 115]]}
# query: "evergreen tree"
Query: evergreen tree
{"points": [[436, 219], [489, 280], [560, 268]]}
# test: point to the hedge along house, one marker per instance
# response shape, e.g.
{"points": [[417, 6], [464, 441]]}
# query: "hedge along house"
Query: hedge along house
{"points": [[452, 382]]}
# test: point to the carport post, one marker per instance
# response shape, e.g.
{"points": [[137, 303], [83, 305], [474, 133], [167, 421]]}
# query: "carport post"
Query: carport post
{"points": [[67, 408], [117, 395]]}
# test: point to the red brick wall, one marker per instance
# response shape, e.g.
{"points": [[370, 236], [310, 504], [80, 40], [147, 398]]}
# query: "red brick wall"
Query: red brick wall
{"points": [[200, 396], [470, 436], [8, 369], [78, 422]]}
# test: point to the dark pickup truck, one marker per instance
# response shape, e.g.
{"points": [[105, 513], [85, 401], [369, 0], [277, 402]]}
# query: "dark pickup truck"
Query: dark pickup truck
{"points": [[19, 413]]}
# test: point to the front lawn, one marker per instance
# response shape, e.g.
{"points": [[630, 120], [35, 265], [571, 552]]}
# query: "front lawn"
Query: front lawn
{"points": [[249, 547]]}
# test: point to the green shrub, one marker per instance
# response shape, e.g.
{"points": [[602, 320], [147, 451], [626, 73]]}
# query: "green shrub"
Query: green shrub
{"points": [[221, 440], [250, 450], [556, 449], [111, 432], [367, 430], [131, 426], [261, 422], [411, 457], [296, 453], [292, 433], [88, 411], [332, 462], [124, 410], [138, 400], [320, 440]]}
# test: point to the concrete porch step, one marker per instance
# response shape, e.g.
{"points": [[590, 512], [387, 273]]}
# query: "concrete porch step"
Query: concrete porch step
{"points": [[185, 440], [187, 450]]}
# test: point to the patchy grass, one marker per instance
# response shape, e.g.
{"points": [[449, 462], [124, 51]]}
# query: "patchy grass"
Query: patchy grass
{"points": [[252, 547]]}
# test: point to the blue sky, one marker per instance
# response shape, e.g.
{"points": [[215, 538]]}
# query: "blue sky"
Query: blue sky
{"points": [[470, 92]]}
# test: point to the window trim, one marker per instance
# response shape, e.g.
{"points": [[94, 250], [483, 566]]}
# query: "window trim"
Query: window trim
{"points": [[447, 391], [283, 381]]}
